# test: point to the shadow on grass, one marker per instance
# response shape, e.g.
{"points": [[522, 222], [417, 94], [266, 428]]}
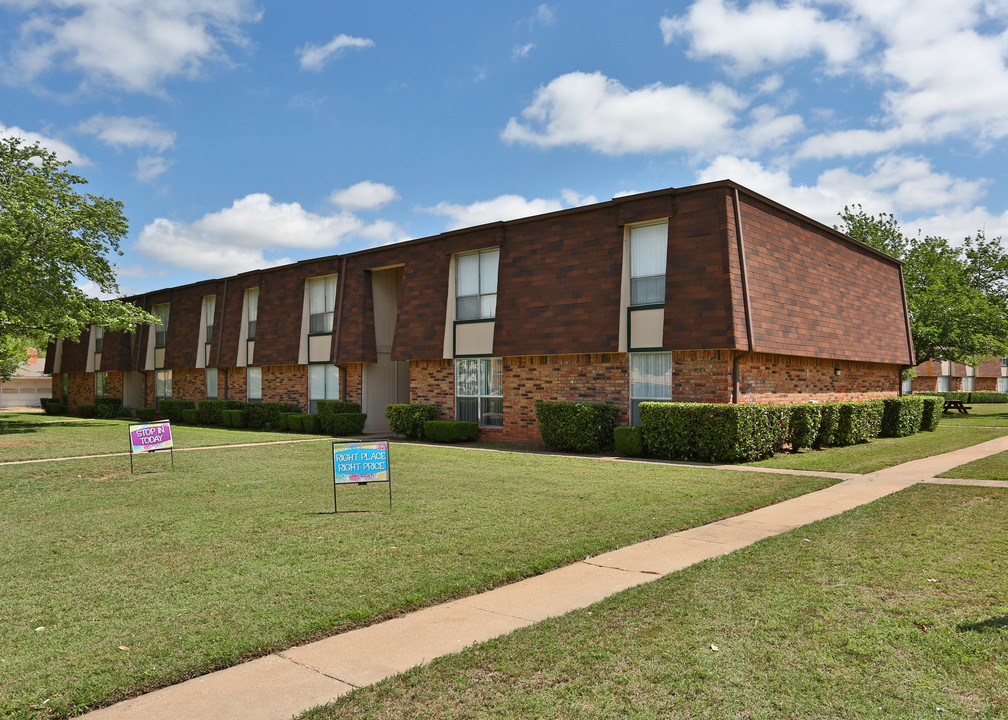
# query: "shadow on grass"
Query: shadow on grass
{"points": [[994, 624], [13, 427]]}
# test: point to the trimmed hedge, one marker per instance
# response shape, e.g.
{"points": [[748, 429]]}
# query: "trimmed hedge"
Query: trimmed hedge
{"points": [[293, 421], [931, 413], [234, 418], [341, 424], [804, 422], [87, 410], [629, 440], [901, 416], [53, 408], [408, 419], [827, 425], [172, 409], [146, 414], [108, 407], [190, 416], [980, 398], [327, 409], [449, 431], [267, 415], [210, 410], [857, 422], [45, 401], [711, 432], [575, 426], [310, 423]]}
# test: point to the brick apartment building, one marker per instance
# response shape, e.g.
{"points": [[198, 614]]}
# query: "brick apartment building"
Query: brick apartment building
{"points": [[706, 293], [989, 375]]}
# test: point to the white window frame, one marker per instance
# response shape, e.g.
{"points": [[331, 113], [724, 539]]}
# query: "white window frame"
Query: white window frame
{"points": [[322, 304], [645, 384], [481, 295], [323, 384], [648, 263], [475, 380], [253, 381]]}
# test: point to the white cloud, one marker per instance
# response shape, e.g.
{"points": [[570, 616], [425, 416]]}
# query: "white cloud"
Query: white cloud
{"points": [[63, 150], [135, 45], [521, 52], [239, 237], [123, 131], [603, 115], [503, 207], [150, 167], [364, 195], [905, 186], [762, 34], [314, 57]]}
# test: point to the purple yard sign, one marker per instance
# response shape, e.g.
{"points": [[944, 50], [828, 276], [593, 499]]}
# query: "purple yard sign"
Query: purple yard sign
{"points": [[150, 436]]}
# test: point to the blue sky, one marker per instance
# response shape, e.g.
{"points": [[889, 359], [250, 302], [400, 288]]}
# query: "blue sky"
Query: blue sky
{"points": [[243, 134]]}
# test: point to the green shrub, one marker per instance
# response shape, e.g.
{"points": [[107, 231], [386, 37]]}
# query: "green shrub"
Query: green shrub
{"points": [[108, 407], [804, 423], [310, 423], [857, 422], [328, 408], [629, 440], [449, 431], [779, 417], [266, 415], [827, 425], [901, 416], [577, 426], [45, 401], [210, 410], [409, 419], [172, 409], [709, 432], [293, 421], [233, 418], [54, 408], [190, 416], [146, 414], [342, 424], [954, 395], [981, 398], [931, 413], [87, 410]]}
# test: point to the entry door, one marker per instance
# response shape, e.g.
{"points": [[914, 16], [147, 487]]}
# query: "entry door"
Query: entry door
{"points": [[385, 382]]}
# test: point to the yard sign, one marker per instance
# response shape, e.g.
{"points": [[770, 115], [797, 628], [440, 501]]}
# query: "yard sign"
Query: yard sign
{"points": [[360, 463], [148, 437]]}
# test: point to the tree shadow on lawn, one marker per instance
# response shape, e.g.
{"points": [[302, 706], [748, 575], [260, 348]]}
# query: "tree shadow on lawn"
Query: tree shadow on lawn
{"points": [[994, 624]]}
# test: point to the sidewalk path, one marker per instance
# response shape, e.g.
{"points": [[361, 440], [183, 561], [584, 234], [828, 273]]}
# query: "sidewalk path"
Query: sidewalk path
{"points": [[284, 684]]}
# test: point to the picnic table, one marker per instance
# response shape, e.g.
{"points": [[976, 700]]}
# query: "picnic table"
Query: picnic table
{"points": [[957, 405]]}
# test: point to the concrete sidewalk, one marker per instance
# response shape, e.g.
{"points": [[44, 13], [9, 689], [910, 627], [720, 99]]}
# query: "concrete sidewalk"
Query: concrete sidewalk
{"points": [[278, 686]]}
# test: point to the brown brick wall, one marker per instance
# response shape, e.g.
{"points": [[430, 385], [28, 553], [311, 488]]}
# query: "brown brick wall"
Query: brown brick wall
{"points": [[352, 382], [115, 382], [285, 383], [986, 384], [237, 384], [432, 382], [767, 378], [702, 376], [813, 294], [189, 384]]}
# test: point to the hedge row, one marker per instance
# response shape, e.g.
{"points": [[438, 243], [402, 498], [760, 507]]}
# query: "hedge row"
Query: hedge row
{"points": [[980, 398], [577, 426], [450, 431], [409, 419]]}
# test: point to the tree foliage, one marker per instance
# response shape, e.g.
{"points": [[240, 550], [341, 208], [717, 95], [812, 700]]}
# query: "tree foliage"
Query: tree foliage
{"points": [[957, 295], [52, 238]]}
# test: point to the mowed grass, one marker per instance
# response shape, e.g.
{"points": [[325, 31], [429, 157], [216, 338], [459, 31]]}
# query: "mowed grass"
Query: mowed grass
{"points": [[992, 467], [112, 583], [898, 609], [33, 436], [883, 452], [981, 414]]}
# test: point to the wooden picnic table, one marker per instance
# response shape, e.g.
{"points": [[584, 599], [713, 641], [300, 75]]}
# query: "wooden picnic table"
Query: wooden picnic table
{"points": [[957, 405]]}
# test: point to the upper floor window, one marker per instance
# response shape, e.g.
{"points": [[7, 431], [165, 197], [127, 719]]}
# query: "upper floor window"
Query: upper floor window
{"points": [[209, 308], [476, 285], [321, 304], [648, 252], [252, 296], [1004, 362], [99, 339], [161, 331]]}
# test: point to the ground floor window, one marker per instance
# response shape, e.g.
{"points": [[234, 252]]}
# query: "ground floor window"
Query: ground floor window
{"points": [[650, 380], [1002, 384], [907, 386], [254, 384], [944, 383], [211, 382], [323, 384], [162, 384], [479, 391], [969, 383], [100, 384]]}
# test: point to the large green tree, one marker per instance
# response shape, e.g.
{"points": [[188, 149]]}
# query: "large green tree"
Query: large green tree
{"points": [[53, 238], [957, 295]]}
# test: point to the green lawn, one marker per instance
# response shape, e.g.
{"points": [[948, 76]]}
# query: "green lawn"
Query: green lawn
{"points": [[898, 609], [236, 552], [884, 452], [990, 415], [31, 436], [993, 467]]}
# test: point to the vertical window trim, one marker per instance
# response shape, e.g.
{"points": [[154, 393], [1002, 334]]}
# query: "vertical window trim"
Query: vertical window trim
{"points": [[658, 277], [485, 295]]}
